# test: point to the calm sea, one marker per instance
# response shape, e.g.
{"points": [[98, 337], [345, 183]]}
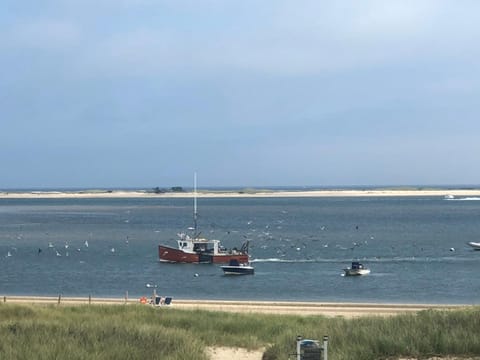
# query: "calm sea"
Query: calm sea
{"points": [[415, 247]]}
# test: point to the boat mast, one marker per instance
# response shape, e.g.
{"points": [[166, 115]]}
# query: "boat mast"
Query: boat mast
{"points": [[195, 215]]}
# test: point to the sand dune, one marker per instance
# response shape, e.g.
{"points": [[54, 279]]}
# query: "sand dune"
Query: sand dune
{"points": [[348, 310]]}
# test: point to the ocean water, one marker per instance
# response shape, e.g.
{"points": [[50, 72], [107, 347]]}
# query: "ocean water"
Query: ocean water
{"points": [[415, 247]]}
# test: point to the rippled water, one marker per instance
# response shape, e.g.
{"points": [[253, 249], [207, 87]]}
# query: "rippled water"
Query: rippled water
{"points": [[415, 247]]}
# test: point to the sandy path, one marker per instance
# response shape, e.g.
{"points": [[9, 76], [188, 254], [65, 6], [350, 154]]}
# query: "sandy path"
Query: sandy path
{"points": [[226, 353]]}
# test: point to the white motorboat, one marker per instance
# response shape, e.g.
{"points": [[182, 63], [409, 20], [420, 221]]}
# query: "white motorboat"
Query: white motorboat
{"points": [[356, 269], [475, 245], [236, 268]]}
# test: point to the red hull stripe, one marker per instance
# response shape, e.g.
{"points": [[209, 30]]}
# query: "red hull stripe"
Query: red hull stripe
{"points": [[169, 254]]}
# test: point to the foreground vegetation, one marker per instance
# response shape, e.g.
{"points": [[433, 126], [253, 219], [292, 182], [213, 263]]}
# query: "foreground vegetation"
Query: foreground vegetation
{"points": [[144, 332]]}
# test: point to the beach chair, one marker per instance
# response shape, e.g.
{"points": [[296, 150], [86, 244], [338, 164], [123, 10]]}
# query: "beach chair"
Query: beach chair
{"points": [[168, 300], [158, 301]]}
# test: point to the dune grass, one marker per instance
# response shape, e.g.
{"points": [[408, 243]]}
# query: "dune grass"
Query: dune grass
{"points": [[145, 332]]}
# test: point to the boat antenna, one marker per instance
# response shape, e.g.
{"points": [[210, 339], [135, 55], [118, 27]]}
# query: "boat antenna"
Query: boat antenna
{"points": [[195, 215]]}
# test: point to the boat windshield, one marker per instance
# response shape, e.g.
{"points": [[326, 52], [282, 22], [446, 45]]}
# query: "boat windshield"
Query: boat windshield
{"points": [[357, 265], [201, 248]]}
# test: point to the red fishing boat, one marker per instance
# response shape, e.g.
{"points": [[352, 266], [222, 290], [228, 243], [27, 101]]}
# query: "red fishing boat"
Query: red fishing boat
{"points": [[200, 250], [195, 249]]}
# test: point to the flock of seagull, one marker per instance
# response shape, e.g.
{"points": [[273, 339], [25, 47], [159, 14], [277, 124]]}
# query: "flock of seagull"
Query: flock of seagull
{"points": [[52, 247]]}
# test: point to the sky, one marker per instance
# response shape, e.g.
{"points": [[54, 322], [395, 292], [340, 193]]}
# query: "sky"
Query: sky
{"points": [[143, 93]]}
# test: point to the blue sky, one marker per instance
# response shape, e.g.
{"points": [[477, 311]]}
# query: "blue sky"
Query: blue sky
{"points": [[142, 93]]}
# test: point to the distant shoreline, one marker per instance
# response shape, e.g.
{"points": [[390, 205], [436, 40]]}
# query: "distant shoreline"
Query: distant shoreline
{"points": [[248, 193]]}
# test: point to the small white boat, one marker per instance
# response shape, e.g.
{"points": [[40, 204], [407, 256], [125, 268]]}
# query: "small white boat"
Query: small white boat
{"points": [[236, 268], [475, 245], [356, 269]]}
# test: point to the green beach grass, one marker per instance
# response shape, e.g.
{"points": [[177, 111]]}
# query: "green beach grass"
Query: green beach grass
{"points": [[145, 332]]}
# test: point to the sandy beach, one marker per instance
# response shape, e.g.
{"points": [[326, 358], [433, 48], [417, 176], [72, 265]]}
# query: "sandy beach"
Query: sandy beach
{"points": [[347, 310], [241, 194]]}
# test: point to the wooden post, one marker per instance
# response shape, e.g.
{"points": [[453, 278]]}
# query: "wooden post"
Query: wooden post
{"points": [[4, 299], [325, 347], [89, 299], [299, 354], [59, 298], [126, 297]]}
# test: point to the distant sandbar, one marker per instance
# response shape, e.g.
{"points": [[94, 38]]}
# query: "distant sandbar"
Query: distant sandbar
{"points": [[436, 192]]}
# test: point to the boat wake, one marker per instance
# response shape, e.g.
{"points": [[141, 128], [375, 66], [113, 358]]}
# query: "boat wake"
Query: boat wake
{"points": [[277, 260], [400, 259], [464, 199]]}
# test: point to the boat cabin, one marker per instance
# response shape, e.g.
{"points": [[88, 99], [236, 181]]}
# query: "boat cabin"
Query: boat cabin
{"points": [[198, 245], [357, 266]]}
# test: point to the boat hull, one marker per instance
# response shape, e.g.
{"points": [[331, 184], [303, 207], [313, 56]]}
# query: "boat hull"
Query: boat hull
{"points": [[172, 255], [475, 245], [238, 270], [356, 272]]}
